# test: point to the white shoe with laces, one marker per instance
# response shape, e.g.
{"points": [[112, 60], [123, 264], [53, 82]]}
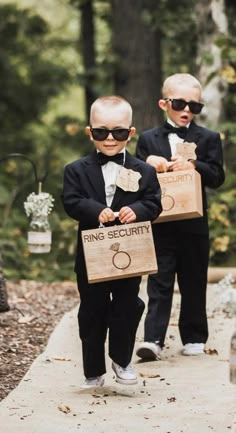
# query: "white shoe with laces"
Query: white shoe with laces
{"points": [[193, 349], [93, 382], [149, 351], [125, 376]]}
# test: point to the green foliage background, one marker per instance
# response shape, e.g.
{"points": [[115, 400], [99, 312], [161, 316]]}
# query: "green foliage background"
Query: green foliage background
{"points": [[42, 116]]}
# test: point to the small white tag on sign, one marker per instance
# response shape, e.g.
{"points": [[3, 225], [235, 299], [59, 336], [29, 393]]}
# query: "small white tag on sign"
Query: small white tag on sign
{"points": [[186, 150], [128, 179]]}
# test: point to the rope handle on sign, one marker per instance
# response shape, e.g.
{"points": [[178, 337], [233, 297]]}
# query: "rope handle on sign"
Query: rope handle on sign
{"points": [[101, 225]]}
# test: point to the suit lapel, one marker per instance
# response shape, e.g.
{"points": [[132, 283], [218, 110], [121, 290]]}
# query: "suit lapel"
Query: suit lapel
{"points": [[117, 198], [193, 133], [94, 175], [163, 144]]}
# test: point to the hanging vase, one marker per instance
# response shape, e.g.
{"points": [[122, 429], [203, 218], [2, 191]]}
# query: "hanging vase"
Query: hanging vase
{"points": [[39, 235], [39, 207]]}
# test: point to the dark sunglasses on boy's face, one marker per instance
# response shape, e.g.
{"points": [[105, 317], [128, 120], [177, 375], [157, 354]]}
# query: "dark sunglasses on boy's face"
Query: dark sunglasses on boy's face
{"points": [[119, 134], [180, 104]]}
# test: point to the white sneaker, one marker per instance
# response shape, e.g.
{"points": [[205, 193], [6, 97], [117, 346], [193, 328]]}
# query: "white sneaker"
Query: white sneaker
{"points": [[93, 382], [147, 350], [193, 349], [125, 376]]}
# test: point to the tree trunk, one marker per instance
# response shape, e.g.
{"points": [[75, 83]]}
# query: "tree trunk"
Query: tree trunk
{"points": [[87, 38], [137, 49], [211, 24]]}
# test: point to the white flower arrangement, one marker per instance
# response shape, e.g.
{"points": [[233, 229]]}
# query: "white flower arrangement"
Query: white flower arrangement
{"points": [[227, 294], [39, 206]]}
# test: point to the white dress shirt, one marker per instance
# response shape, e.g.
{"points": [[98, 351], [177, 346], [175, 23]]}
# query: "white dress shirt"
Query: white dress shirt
{"points": [[110, 171]]}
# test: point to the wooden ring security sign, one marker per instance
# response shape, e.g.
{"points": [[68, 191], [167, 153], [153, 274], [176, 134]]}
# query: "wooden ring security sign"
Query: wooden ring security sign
{"points": [[181, 195], [120, 251]]}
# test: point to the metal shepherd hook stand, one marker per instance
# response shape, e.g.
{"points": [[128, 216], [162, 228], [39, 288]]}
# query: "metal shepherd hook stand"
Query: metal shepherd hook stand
{"points": [[40, 208], [38, 180]]}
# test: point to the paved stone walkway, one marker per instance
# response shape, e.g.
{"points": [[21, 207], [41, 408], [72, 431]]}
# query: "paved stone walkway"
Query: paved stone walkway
{"points": [[175, 395]]}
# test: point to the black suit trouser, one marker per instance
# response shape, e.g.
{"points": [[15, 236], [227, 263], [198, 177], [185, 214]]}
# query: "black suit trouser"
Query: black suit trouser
{"points": [[113, 305], [186, 256]]}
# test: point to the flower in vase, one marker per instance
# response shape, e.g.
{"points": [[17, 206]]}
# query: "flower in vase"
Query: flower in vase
{"points": [[39, 206]]}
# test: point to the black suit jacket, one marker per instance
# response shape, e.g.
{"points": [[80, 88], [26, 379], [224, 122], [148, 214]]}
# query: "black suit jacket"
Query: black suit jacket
{"points": [[84, 195], [209, 164]]}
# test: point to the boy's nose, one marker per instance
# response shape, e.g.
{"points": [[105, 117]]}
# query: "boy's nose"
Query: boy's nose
{"points": [[186, 108]]}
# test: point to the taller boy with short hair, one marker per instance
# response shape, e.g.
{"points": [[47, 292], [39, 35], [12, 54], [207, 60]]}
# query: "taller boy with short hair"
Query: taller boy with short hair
{"points": [[91, 196], [182, 246]]}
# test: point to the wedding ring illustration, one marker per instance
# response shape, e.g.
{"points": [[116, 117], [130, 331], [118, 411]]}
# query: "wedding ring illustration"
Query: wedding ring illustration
{"points": [[121, 259], [167, 201]]}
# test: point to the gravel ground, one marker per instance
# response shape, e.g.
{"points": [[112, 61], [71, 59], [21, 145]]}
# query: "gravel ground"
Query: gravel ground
{"points": [[35, 310]]}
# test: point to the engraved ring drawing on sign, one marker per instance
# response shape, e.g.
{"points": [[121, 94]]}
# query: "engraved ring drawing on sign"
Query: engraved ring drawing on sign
{"points": [[121, 259], [167, 201]]}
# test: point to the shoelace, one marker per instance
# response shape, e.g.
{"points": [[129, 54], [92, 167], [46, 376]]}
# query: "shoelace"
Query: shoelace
{"points": [[129, 368]]}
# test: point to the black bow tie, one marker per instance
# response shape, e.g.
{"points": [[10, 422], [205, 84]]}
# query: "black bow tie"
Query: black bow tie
{"points": [[181, 131], [103, 159]]}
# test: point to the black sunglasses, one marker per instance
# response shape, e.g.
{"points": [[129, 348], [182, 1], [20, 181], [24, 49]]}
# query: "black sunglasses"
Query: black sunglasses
{"points": [[119, 134], [180, 104]]}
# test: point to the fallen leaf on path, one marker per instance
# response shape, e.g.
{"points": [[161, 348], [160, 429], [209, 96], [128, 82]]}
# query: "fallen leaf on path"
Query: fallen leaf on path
{"points": [[171, 399], [60, 358], [26, 319], [211, 352], [20, 300], [64, 408], [151, 376], [28, 295]]}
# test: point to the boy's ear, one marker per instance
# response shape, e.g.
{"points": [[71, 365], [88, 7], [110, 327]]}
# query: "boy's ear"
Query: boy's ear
{"points": [[132, 132], [162, 104], [88, 132]]}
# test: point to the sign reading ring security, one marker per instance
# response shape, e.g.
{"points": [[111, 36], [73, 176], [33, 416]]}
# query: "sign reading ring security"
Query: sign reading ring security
{"points": [[119, 251]]}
